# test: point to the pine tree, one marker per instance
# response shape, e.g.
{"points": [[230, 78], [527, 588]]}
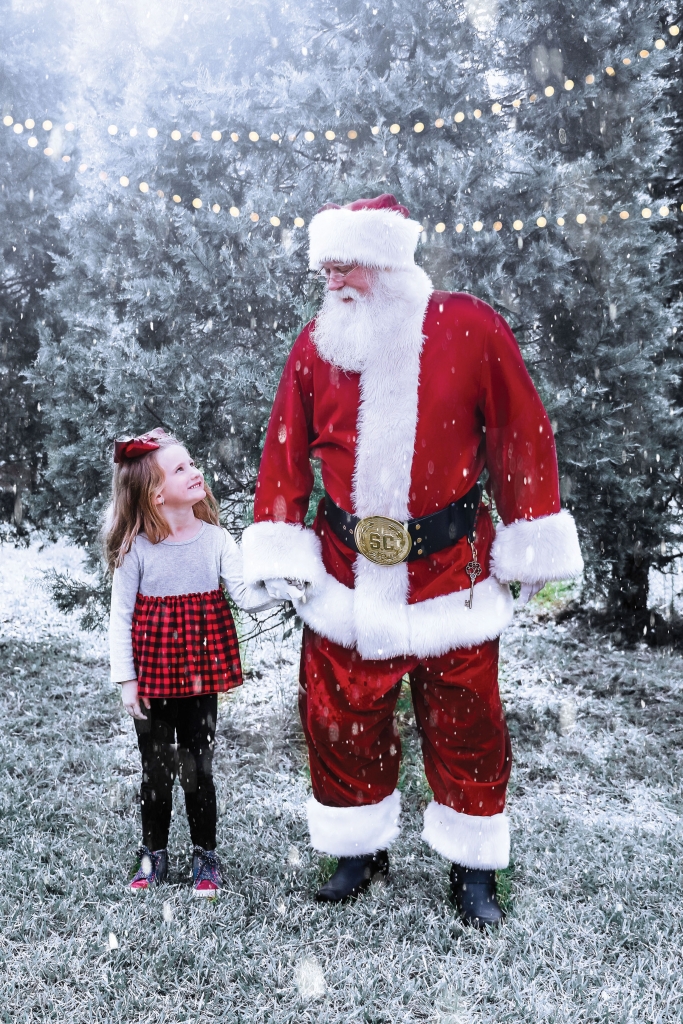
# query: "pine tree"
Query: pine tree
{"points": [[518, 137], [34, 191]]}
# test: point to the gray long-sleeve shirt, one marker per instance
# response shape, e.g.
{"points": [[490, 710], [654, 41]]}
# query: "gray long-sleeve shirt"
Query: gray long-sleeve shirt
{"points": [[168, 569]]}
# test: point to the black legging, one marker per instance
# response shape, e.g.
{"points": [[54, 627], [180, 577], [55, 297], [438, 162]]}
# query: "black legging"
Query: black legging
{"points": [[193, 721]]}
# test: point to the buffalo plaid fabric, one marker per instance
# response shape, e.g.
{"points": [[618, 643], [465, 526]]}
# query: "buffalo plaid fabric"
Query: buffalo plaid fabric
{"points": [[185, 645]]}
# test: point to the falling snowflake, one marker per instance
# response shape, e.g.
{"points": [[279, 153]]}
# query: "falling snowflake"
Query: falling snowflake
{"points": [[309, 979]]}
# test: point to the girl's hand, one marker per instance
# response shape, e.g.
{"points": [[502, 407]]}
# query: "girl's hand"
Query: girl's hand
{"points": [[129, 696]]}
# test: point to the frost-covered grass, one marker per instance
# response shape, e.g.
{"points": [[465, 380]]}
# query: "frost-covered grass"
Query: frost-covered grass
{"points": [[594, 929]]}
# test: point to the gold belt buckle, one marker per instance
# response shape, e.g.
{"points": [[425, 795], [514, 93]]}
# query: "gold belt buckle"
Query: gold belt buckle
{"points": [[382, 540]]}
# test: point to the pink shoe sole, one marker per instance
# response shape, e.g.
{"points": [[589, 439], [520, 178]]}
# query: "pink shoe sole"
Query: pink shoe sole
{"points": [[206, 890]]}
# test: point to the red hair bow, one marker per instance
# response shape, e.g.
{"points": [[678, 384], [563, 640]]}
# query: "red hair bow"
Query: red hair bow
{"points": [[134, 447]]}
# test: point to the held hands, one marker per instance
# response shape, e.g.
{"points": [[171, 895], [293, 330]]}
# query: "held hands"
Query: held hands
{"points": [[129, 696], [287, 590]]}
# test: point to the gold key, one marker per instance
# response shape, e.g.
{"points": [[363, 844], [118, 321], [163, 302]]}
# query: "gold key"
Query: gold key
{"points": [[473, 570]]}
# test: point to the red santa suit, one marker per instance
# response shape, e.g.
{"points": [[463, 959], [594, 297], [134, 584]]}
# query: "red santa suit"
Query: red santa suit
{"points": [[411, 432]]}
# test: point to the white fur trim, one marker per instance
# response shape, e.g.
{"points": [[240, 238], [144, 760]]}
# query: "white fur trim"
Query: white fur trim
{"points": [[473, 841], [381, 629], [354, 831], [387, 422], [276, 550], [374, 238], [537, 550]]}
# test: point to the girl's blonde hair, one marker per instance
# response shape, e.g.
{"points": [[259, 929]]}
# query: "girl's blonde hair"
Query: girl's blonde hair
{"points": [[132, 509]]}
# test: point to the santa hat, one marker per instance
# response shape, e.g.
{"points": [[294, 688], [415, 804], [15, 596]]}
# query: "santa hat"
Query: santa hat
{"points": [[371, 232]]}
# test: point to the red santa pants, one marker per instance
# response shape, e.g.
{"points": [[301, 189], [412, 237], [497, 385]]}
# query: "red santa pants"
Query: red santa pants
{"points": [[347, 710]]}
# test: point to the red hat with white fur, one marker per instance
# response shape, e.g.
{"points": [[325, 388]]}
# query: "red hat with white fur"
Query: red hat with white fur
{"points": [[371, 232]]}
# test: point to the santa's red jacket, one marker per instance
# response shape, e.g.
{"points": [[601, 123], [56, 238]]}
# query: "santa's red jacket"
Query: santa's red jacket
{"points": [[410, 435]]}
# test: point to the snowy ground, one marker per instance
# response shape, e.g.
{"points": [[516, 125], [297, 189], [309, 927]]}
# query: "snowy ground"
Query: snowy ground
{"points": [[594, 930]]}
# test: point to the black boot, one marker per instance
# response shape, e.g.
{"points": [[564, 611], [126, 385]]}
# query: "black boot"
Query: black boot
{"points": [[474, 892], [353, 876]]}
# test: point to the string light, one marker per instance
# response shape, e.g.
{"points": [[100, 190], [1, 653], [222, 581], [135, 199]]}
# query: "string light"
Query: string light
{"points": [[440, 227], [581, 218], [624, 214], [33, 142], [309, 136], [216, 208], [123, 180], [497, 225], [517, 225], [254, 217], [646, 212], [176, 199], [143, 186], [477, 226], [197, 203], [234, 212], [541, 222], [299, 222], [275, 221], [560, 221]]}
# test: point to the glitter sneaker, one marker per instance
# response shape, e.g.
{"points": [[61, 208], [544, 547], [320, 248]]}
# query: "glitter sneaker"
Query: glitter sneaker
{"points": [[207, 879], [152, 871]]}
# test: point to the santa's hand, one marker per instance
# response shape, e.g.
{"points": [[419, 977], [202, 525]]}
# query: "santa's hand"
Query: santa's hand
{"points": [[527, 591], [287, 590]]}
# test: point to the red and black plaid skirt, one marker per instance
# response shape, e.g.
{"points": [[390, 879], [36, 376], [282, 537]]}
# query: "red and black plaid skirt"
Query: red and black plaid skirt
{"points": [[185, 645]]}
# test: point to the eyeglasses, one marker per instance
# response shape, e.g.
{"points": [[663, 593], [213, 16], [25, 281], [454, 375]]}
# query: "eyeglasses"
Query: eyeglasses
{"points": [[341, 270]]}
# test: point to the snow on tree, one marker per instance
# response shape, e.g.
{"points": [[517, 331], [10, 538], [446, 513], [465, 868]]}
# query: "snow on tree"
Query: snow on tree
{"points": [[529, 141]]}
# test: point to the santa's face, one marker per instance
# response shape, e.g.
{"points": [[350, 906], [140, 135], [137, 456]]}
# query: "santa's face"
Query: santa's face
{"points": [[349, 280]]}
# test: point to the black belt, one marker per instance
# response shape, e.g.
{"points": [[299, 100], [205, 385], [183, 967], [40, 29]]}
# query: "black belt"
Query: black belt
{"points": [[428, 533]]}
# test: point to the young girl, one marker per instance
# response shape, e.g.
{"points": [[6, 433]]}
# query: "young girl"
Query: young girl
{"points": [[172, 637]]}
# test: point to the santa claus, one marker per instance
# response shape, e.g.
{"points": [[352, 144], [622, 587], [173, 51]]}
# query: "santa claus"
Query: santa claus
{"points": [[409, 398]]}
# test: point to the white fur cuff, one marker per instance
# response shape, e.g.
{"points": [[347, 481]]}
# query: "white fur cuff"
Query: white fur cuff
{"points": [[281, 550], [353, 831], [537, 550], [375, 238], [473, 841]]}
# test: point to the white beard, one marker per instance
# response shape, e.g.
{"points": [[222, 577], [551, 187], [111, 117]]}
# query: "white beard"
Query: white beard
{"points": [[347, 333]]}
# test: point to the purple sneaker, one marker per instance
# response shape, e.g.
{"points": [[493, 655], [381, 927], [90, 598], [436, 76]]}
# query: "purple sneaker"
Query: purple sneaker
{"points": [[152, 871], [207, 879]]}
